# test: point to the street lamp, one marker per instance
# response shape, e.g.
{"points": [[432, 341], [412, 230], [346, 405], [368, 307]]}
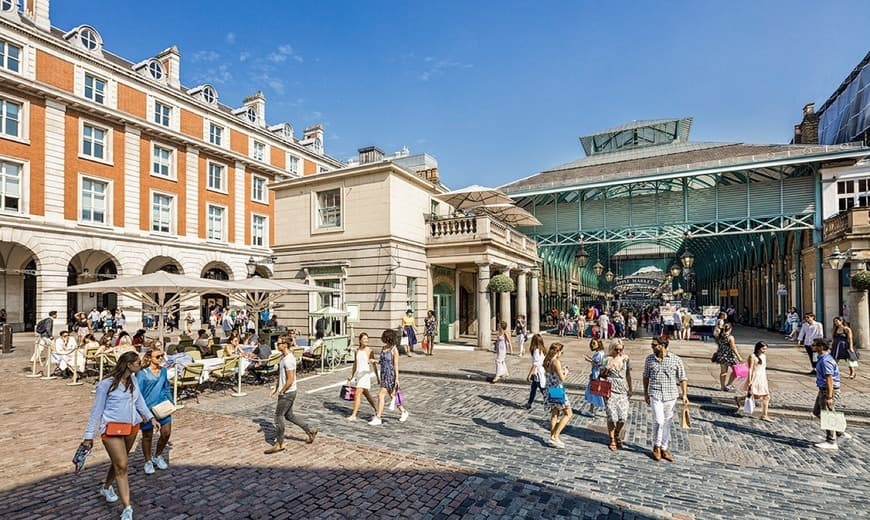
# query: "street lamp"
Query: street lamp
{"points": [[251, 266], [581, 257], [598, 268], [837, 259], [687, 259], [608, 276]]}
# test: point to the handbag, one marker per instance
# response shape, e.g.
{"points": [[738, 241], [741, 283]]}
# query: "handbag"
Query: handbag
{"points": [[400, 400], [714, 358], [163, 409], [832, 420], [600, 387], [741, 370], [556, 395], [404, 341], [853, 356], [118, 429], [347, 392], [749, 405], [685, 419]]}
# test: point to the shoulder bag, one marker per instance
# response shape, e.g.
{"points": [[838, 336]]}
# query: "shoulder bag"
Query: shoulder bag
{"points": [[600, 387], [163, 409], [556, 394], [833, 420], [122, 429]]}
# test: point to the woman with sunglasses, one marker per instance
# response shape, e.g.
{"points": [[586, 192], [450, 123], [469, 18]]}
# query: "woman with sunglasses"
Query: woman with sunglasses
{"points": [[117, 411], [154, 384], [557, 401], [618, 373]]}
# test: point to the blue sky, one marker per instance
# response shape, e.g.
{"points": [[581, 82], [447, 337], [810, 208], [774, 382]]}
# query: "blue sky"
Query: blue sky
{"points": [[499, 90]]}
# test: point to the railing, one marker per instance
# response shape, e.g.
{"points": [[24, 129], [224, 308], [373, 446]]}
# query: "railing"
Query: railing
{"points": [[476, 228], [855, 220]]}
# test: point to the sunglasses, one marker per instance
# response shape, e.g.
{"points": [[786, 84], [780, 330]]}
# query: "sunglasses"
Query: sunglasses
{"points": [[157, 356]]}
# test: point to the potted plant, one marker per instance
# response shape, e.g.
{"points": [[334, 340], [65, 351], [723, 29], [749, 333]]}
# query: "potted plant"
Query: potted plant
{"points": [[501, 283]]}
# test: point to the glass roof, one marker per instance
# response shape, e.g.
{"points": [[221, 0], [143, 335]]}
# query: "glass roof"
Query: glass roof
{"points": [[637, 134]]}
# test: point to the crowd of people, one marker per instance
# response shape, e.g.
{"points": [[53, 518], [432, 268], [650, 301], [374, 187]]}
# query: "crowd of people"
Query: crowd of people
{"points": [[127, 400]]}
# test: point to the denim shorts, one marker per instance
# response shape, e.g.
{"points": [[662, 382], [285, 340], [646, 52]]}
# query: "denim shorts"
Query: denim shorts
{"points": [[148, 425]]}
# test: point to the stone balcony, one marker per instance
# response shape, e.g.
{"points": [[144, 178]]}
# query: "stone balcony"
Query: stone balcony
{"points": [[855, 221], [478, 235]]}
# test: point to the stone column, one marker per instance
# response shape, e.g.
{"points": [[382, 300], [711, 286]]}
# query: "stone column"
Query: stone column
{"points": [[859, 317], [521, 294], [831, 296], [484, 332], [534, 317], [504, 303]]}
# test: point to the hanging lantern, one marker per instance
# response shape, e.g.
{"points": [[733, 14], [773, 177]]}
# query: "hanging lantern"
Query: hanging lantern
{"points": [[675, 270], [608, 276], [598, 268], [687, 259], [581, 257]]}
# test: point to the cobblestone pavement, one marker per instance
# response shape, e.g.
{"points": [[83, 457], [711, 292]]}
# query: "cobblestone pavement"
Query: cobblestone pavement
{"points": [[467, 450]]}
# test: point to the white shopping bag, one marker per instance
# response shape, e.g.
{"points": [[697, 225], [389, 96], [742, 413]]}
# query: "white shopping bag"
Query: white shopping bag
{"points": [[831, 420], [393, 404], [749, 406]]}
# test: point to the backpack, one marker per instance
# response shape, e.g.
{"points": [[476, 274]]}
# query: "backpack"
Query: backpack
{"points": [[42, 326]]}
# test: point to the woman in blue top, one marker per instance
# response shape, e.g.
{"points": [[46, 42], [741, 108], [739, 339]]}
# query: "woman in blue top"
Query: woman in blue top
{"points": [[118, 403], [597, 359], [154, 385]]}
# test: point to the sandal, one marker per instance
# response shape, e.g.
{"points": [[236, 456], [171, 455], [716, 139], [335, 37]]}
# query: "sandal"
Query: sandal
{"points": [[619, 444], [613, 446]]}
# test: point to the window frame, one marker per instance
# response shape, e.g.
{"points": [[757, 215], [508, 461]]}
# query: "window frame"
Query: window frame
{"points": [[158, 117], [94, 39], [224, 222], [293, 163], [172, 166], [107, 142], [173, 212], [23, 186], [263, 156], [265, 191], [319, 210], [265, 230], [4, 55], [95, 77], [23, 118], [223, 188], [224, 141], [107, 210], [155, 70]]}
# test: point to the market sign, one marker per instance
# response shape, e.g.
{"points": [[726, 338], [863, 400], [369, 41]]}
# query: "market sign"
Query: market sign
{"points": [[636, 282]]}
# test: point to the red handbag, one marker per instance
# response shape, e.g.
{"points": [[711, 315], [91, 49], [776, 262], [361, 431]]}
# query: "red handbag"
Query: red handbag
{"points": [[600, 387]]}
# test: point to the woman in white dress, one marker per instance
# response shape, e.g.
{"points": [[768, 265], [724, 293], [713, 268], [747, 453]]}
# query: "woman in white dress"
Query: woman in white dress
{"points": [[362, 375], [502, 344], [757, 384]]}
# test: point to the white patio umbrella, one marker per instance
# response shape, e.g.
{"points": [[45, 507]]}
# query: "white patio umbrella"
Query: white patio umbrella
{"points": [[510, 214], [473, 196], [160, 290]]}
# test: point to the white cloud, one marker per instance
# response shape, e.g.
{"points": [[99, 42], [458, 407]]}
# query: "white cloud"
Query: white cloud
{"points": [[439, 67], [215, 75], [244, 55], [231, 38], [283, 52], [204, 56]]}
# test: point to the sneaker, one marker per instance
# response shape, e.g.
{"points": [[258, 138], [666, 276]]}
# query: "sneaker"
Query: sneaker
{"points": [[729, 388], [586, 413], [109, 494], [827, 445], [127, 513], [376, 421], [404, 416], [148, 467], [160, 462], [846, 436]]}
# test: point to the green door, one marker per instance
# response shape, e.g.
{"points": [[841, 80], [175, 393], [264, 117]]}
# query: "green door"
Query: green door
{"points": [[444, 310]]}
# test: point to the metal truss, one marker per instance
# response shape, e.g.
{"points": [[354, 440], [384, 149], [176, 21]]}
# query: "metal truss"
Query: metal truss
{"points": [[756, 224]]}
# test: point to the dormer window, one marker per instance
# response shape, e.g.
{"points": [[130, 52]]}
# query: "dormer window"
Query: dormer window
{"points": [[288, 132], [251, 114], [155, 69], [209, 95], [89, 39]]}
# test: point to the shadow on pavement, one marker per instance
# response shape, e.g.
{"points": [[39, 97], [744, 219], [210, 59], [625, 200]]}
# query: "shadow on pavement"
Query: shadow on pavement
{"points": [[788, 441], [298, 491], [502, 402], [507, 431]]}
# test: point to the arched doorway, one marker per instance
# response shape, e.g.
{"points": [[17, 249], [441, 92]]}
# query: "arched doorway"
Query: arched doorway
{"points": [[86, 267], [18, 271], [169, 265], [213, 271]]}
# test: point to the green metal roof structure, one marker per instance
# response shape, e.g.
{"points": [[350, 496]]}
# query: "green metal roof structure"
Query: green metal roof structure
{"points": [[644, 182]]}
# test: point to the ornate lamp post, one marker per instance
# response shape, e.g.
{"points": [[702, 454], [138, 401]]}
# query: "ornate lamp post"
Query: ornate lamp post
{"points": [[581, 257], [598, 268]]}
